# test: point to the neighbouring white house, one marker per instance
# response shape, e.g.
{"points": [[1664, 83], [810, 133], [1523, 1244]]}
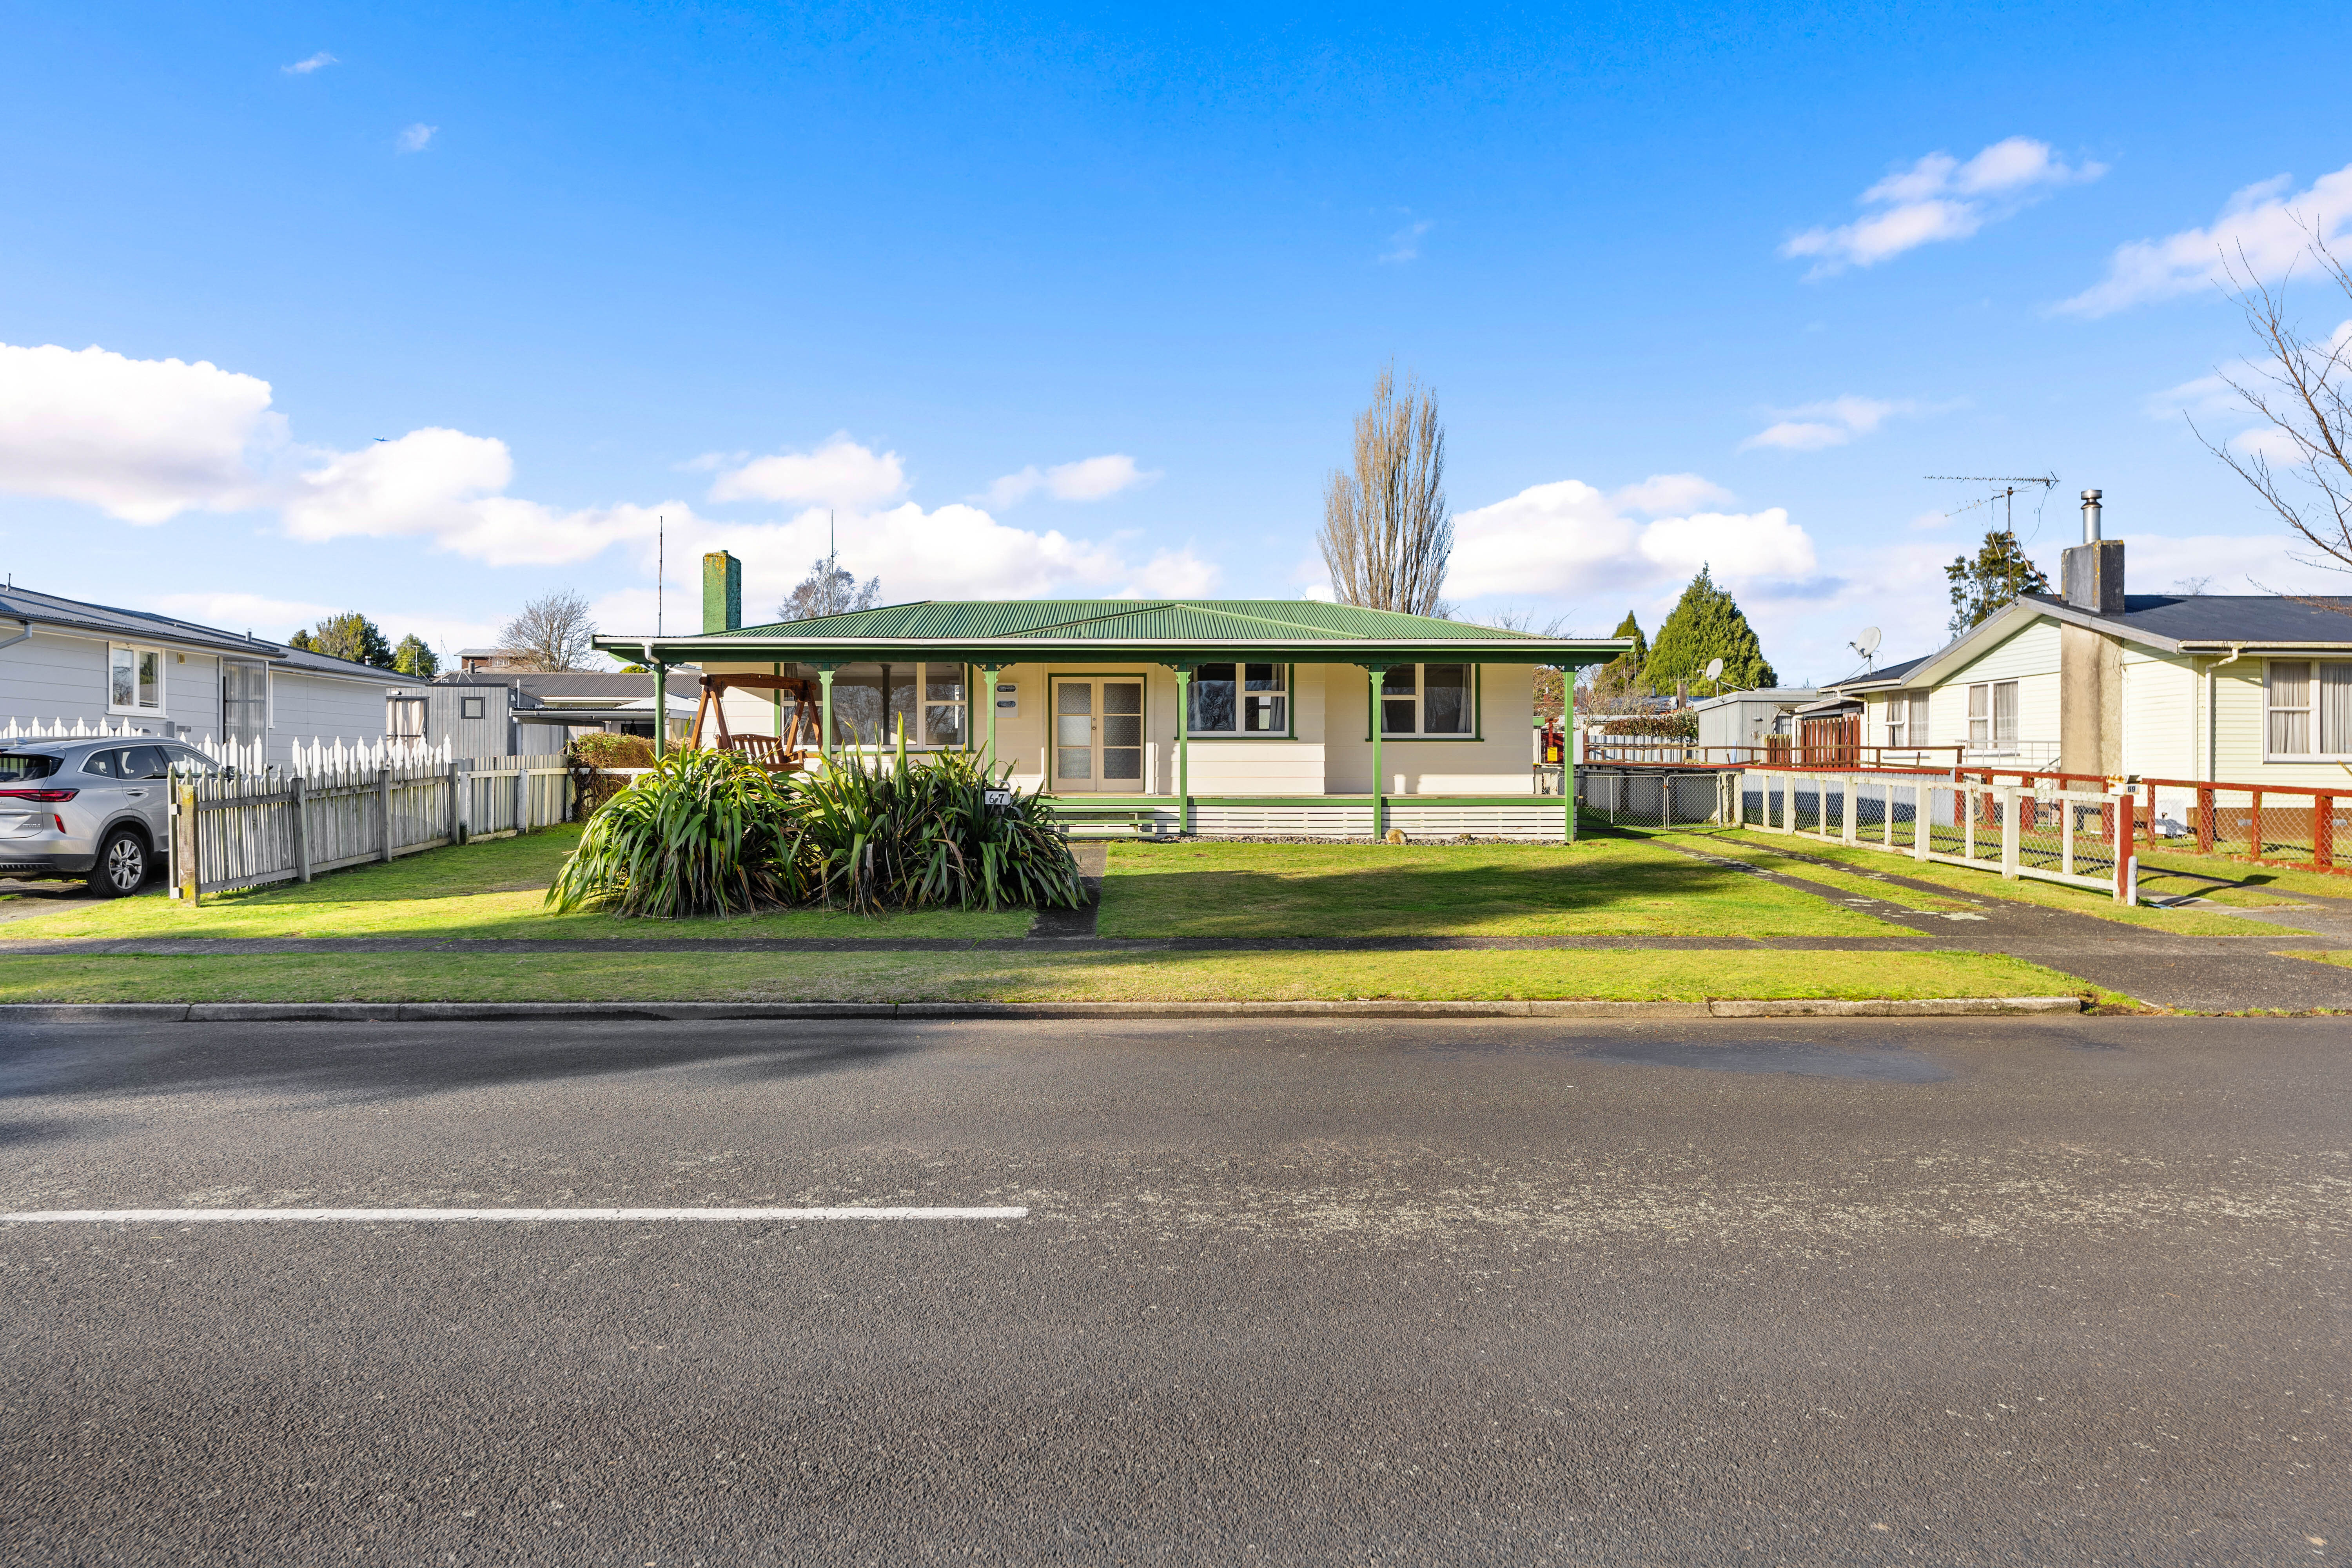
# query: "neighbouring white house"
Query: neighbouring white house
{"points": [[2254, 688], [66, 662]]}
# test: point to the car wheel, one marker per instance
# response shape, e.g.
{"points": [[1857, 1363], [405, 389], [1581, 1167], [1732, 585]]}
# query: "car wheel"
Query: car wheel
{"points": [[121, 867]]}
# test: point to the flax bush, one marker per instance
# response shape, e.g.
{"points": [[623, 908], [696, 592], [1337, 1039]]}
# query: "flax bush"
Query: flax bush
{"points": [[707, 833], [922, 835]]}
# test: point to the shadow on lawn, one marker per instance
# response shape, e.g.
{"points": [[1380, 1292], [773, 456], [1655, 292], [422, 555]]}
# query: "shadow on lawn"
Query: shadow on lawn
{"points": [[1670, 890], [365, 1062]]}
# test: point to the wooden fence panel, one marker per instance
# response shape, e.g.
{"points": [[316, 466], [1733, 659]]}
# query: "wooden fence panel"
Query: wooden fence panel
{"points": [[253, 827]]}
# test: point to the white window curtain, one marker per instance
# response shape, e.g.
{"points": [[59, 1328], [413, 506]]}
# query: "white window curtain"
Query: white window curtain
{"points": [[2335, 709], [2290, 708]]}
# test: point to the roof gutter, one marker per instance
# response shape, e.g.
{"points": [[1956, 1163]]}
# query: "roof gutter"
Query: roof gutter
{"points": [[20, 637]]}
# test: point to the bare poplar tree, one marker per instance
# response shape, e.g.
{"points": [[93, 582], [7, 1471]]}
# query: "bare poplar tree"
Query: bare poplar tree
{"points": [[552, 632], [2303, 387], [1386, 531]]}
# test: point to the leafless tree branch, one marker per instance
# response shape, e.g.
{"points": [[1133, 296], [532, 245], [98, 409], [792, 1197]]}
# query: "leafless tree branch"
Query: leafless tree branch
{"points": [[552, 632], [2301, 388], [1387, 533]]}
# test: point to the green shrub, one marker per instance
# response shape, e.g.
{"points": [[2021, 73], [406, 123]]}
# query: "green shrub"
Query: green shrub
{"points": [[923, 835], [705, 833], [602, 751]]}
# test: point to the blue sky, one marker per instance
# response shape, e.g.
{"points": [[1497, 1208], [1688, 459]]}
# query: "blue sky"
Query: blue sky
{"points": [[1082, 301]]}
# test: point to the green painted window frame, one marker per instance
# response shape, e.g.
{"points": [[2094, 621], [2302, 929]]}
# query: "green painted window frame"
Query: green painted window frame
{"points": [[1225, 737], [1477, 707]]}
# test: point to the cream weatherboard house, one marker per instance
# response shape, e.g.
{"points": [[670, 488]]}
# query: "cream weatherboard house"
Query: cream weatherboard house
{"points": [[2248, 689], [1214, 716]]}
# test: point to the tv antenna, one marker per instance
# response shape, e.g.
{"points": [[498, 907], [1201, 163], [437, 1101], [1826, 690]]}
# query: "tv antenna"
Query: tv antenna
{"points": [[1865, 645], [2005, 497]]}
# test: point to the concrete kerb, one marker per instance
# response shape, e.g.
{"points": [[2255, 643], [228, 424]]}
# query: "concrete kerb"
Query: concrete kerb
{"points": [[686, 1012]]}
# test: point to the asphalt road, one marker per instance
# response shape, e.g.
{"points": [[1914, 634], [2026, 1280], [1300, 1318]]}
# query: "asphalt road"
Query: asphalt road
{"points": [[1466, 1291]]}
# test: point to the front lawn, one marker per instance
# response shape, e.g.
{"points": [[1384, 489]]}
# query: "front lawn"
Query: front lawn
{"points": [[1605, 885], [486, 890], [864, 976], [1989, 884]]}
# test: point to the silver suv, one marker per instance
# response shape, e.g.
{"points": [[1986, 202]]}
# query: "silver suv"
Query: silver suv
{"points": [[97, 809]]}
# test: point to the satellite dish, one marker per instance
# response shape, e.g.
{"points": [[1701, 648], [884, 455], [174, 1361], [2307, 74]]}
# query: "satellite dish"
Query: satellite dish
{"points": [[1714, 669], [1868, 643]]}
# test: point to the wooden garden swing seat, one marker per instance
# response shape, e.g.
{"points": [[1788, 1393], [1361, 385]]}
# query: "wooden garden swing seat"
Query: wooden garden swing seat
{"points": [[785, 753]]}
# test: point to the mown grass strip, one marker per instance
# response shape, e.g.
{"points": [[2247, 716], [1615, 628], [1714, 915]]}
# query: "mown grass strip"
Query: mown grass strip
{"points": [[1611, 886], [492, 889], [1608, 975], [1751, 853], [1989, 884]]}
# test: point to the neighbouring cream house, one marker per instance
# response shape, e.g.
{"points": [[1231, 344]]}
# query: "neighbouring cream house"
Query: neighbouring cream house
{"points": [[1215, 716], [2252, 688]]}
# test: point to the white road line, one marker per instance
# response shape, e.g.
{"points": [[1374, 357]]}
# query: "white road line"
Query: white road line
{"points": [[378, 1216]]}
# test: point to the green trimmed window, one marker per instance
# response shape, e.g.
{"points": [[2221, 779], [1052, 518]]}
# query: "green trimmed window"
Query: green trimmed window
{"points": [[1427, 699], [1240, 700]]}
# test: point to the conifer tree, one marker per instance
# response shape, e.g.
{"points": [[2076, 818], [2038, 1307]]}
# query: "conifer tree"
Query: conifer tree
{"points": [[416, 657], [1706, 626], [1999, 572], [351, 636], [1636, 657]]}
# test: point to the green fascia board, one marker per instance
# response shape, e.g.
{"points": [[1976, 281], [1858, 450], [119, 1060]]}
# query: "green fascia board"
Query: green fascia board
{"points": [[1158, 631]]}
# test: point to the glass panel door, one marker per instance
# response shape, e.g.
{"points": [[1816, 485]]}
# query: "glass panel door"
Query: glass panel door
{"points": [[1073, 735], [1122, 736]]}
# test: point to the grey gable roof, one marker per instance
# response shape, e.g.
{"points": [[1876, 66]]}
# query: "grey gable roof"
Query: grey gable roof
{"points": [[2228, 619], [38, 609], [2165, 622]]}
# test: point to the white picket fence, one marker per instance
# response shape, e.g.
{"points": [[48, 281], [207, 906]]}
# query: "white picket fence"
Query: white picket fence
{"points": [[239, 826], [2080, 837]]}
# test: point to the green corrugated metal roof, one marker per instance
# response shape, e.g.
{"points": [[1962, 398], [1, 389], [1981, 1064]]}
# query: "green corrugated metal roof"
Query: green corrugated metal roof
{"points": [[1126, 620]]}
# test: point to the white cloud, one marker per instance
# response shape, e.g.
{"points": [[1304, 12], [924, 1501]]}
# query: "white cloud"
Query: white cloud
{"points": [[1173, 574], [1818, 424], [416, 137], [304, 68], [1662, 493], [142, 439], [1568, 538], [2264, 223], [1939, 198], [1405, 245], [1088, 479], [446, 488], [146, 440], [841, 473]]}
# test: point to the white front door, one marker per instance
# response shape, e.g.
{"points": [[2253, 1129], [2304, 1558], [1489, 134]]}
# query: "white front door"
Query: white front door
{"points": [[1098, 734]]}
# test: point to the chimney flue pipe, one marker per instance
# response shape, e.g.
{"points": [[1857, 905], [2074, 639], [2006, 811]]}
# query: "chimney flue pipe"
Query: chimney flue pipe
{"points": [[2090, 517]]}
